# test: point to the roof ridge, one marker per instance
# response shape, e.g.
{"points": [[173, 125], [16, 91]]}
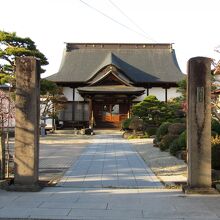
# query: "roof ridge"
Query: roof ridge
{"points": [[74, 46], [113, 59], [109, 59]]}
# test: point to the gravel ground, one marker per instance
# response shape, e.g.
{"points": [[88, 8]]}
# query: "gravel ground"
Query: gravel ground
{"points": [[59, 151], [169, 169]]}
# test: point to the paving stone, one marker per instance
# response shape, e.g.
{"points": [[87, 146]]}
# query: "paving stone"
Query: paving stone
{"points": [[59, 212], [13, 213], [111, 163], [25, 204], [179, 214], [134, 192], [105, 213]]}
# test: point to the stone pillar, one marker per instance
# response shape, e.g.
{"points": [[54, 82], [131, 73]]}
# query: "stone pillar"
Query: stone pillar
{"points": [[199, 126], [27, 124]]}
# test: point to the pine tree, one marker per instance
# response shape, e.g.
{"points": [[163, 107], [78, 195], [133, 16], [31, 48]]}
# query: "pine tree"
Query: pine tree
{"points": [[12, 46]]}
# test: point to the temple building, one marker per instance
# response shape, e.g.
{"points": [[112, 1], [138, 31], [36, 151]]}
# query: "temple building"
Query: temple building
{"points": [[102, 81]]}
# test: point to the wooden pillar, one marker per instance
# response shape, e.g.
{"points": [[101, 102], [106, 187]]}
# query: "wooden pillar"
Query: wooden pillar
{"points": [[91, 117], [165, 94], [147, 91], [199, 126], [129, 106], [27, 114], [73, 105]]}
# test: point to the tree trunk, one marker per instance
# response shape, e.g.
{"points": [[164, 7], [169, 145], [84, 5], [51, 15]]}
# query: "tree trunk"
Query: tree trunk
{"points": [[2, 155]]}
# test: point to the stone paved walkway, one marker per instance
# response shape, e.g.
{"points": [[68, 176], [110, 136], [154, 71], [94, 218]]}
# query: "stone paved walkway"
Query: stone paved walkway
{"points": [[110, 162], [58, 152], [112, 153]]}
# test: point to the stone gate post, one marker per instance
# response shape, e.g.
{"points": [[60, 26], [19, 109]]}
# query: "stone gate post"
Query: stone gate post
{"points": [[199, 126], [27, 124]]}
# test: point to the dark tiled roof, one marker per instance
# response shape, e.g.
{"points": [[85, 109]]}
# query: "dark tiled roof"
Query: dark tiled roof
{"points": [[111, 89], [140, 63]]}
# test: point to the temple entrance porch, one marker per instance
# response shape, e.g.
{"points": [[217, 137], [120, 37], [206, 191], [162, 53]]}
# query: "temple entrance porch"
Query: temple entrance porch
{"points": [[110, 115], [108, 106]]}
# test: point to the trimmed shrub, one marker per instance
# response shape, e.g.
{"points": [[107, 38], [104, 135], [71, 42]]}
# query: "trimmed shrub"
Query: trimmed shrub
{"points": [[126, 123], [216, 157], [178, 144], [132, 136], [214, 133], [155, 143], [166, 141], [176, 128], [178, 120], [174, 147], [215, 152], [136, 124], [215, 126], [182, 140], [162, 130], [151, 131]]}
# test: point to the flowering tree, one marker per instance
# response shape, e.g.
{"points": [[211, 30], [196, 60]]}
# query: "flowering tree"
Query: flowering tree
{"points": [[7, 110], [216, 88], [52, 100], [7, 117]]}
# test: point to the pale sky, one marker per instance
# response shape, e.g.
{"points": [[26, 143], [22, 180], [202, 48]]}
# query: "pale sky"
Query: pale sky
{"points": [[192, 25]]}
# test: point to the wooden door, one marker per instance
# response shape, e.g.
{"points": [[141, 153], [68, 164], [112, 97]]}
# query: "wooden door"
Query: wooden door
{"points": [[109, 115]]}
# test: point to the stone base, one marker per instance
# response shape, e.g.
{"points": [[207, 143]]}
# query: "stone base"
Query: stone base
{"points": [[3, 184], [192, 190], [23, 188]]}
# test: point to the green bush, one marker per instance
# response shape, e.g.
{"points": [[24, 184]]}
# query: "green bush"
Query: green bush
{"points": [[136, 124], [151, 131], [174, 147], [216, 157], [126, 123], [177, 120], [215, 126], [146, 135], [215, 152], [162, 130], [178, 144], [176, 128], [150, 110], [182, 140], [138, 136], [166, 141], [214, 134]]}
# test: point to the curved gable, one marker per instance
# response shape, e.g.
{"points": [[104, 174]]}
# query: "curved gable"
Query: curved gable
{"points": [[109, 76]]}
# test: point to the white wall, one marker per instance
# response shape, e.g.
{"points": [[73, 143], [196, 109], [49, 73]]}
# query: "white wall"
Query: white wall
{"points": [[158, 92], [68, 93], [172, 93], [77, 96], [141, 97]]}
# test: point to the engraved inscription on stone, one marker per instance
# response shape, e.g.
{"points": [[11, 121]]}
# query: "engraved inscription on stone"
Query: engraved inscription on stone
{"points": [[200, 94], [25, 72]]}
